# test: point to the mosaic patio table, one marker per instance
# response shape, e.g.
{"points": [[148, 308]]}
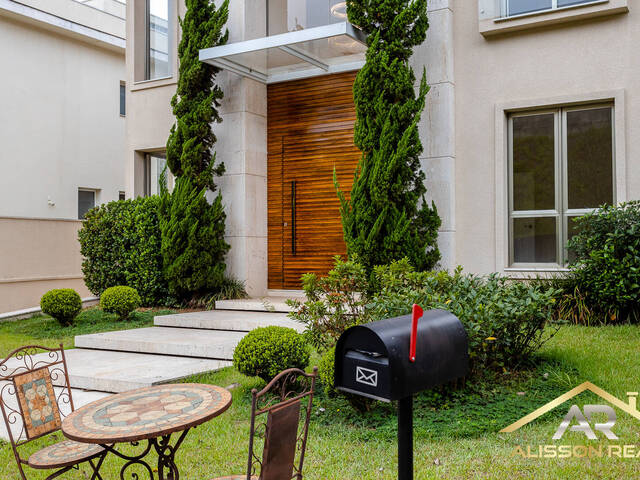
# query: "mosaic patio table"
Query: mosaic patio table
{"points": [[150, 414]]}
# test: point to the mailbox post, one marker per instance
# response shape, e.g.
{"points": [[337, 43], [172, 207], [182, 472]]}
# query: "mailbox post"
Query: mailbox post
{"points": [[395, 358]]}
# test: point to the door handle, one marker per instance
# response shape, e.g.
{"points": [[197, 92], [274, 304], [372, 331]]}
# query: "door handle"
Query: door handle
{"points": [[293, 217]]}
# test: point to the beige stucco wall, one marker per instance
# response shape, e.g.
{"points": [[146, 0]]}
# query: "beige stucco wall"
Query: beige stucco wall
{"points": [[37, 255], [61, 125], [577, 61]]}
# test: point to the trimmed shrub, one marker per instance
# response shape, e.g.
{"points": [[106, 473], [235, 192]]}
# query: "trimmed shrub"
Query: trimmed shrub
{"points": [[120, 243], [326, 370], [265, 352], [63, 304], [606, 266], [120, 300]]}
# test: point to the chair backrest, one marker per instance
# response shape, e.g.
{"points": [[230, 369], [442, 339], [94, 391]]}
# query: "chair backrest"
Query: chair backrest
{"points": [[29, 402], [280, 415]]}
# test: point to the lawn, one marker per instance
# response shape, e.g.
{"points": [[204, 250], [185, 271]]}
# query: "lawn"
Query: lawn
{"points": [[44, 330], [458, 439]]}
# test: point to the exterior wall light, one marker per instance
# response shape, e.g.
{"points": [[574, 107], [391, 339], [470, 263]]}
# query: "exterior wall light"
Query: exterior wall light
{"points": [[339, 10]]}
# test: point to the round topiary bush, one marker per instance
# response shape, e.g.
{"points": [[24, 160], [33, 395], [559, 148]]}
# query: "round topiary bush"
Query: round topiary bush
{"points": [[63, 304], [265, 352], [120, 300]]}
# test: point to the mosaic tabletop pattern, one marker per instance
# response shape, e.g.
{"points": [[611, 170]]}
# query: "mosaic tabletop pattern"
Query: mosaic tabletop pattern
{"points": [[146, 413], [62, 454]]}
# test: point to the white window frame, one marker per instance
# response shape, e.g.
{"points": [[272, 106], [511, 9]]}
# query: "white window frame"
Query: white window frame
{"points": [[554, 8], [95, 197], [560, 212], [147, 40]]}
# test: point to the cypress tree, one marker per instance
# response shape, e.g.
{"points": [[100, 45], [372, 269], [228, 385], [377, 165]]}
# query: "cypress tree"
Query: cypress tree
{"points": [[197, 99], [193, 246], [386, 217]]}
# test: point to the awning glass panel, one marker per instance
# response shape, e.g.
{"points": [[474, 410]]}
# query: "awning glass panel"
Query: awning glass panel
{"points": [[314, 51]]}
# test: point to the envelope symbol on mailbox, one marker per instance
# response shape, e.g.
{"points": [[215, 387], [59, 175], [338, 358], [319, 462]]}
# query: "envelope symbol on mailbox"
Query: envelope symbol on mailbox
{"points": [[367, 376]]}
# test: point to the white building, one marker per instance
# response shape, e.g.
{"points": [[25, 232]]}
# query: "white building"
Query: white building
{"points": [[62, 136], [504, 74]]}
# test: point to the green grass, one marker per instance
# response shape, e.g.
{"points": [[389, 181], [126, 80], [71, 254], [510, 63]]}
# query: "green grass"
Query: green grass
{"points": [[44, 330], [461, 434]]}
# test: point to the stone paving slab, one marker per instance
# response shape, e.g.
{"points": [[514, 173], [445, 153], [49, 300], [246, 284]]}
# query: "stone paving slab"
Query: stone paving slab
{"points": [[115, 372], [263, 304], [111, 371], [184, 342], [230, 320]]}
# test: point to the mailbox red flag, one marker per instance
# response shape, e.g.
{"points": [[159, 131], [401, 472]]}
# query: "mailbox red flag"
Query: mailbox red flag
{"points": [[416, 314]]}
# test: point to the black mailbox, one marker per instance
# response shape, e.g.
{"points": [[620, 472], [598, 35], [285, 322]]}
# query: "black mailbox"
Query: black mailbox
{"points": [[395, 358], [373, 359]]}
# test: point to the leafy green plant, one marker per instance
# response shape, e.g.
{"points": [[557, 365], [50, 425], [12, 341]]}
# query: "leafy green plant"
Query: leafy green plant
{"points": [[505, 320], [197, 99], [193, 246], [606, 268], [326, 370], [333, 303], [120, 243], [63, 304], [120, 300], [386, 217], [265, 352]]}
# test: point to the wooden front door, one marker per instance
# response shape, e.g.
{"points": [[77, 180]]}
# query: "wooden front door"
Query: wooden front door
{"points": [[310, 132]]}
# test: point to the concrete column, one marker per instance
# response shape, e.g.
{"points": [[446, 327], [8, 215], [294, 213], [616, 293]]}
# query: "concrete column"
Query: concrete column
{"points": [[242, 146], [437, 125]]}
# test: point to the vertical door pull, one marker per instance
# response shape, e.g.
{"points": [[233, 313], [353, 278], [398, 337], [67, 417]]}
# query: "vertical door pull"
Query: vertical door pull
{"points": [[293, 217]]}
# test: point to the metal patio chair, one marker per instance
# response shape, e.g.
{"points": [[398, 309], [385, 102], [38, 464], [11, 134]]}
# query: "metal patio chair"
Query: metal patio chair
{"points": [[280, 415], [31, 407]]}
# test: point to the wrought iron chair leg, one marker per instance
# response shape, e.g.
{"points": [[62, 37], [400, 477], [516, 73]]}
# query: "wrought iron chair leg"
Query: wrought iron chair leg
{"points": [[96, 468], [59, 472]]}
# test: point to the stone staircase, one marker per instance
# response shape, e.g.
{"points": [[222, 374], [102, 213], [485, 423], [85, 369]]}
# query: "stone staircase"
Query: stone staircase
{"points": [[177, 346]]}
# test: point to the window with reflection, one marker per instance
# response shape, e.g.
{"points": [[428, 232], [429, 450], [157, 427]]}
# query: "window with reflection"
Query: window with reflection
{"points": [[520, 7], [561, 166], [157, 27], [291, 15]]}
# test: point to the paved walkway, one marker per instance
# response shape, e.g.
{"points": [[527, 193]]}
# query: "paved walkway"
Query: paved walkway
{"points": [[177, 346]]}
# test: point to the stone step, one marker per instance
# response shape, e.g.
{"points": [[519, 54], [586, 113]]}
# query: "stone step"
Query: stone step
{"points": [[184, 342], [230, 320], [108, 371], [263, 304]]}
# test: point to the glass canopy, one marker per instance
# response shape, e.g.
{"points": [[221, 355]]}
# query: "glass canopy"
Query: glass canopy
{"points": [[333, 48]]}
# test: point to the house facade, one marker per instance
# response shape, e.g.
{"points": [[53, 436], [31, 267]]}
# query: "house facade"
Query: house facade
{"points": [[62, 136], [529, 123]]}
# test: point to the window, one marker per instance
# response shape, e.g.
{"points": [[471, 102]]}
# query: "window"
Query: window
{"points": [[121, 196], [123, 99], [561, 166], [86, 201], [293, 15], [520, 7], [156, 174], [157, 28]]}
